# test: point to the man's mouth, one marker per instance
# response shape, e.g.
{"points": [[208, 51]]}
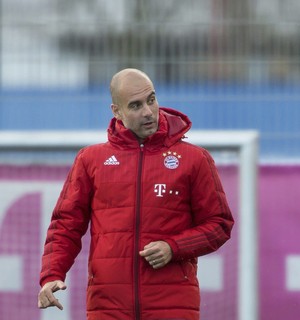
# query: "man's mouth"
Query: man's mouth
{"points": [[149, 123]]}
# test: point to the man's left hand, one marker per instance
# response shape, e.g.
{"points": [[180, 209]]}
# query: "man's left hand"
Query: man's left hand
{"points": [[157, 253]]}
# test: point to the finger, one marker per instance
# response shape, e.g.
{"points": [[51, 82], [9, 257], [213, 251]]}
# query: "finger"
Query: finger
{"points": [[43, 302], [53, 302], [153, 262], [57, 304], [148, 251], [158, 264], [151, 258], [59, 285], [150, 245]]}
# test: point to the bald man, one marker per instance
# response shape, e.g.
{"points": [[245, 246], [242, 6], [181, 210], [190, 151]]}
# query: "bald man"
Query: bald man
{"points": [[134, 102], [154, 203]]}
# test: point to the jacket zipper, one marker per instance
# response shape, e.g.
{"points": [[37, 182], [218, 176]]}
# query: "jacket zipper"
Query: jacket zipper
{"points": [[137, 236]]}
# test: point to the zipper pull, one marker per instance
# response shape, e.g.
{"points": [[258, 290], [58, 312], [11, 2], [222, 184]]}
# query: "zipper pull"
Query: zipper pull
{"points": [[142, 146]]}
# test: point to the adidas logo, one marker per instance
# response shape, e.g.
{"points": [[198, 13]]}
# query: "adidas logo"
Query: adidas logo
{"points": [[112, 161]]}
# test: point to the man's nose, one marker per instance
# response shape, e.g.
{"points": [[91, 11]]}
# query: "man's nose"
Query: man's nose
{"points": [[147, 111]]}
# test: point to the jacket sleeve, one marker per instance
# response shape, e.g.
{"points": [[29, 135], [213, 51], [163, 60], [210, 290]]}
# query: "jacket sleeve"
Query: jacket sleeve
{"points": [[212, 218], [69, 223]]}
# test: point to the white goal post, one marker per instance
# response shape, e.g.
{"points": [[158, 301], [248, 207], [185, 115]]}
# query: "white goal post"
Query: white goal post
{"points": [[245, 143]]}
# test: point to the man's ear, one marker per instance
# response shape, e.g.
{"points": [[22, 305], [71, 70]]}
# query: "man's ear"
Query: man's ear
{"points": [[116, 111]]}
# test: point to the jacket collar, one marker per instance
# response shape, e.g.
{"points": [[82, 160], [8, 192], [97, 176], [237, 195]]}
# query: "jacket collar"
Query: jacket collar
{"points": [[172, 126]]}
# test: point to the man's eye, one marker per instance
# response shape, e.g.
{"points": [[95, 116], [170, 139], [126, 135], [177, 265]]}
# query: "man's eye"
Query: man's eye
{"points": [[134, 106], [151, 100]]}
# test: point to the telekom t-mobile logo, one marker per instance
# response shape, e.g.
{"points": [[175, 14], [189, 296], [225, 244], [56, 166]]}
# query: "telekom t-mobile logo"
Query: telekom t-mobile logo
{"points": [[161, 188]]}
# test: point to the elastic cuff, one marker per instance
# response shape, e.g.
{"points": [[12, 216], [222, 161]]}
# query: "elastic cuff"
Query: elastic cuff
{"points": [[174, 248], [49, 279]]}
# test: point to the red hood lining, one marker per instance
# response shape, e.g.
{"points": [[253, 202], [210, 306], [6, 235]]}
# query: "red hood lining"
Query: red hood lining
{"points": [[172, 127]]}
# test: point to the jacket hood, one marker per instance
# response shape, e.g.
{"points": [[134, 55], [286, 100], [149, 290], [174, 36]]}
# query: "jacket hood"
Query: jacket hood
{"points": [[172, 125]]}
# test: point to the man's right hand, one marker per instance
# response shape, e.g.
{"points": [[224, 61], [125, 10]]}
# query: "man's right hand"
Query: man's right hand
{"points": [[46, 297]]}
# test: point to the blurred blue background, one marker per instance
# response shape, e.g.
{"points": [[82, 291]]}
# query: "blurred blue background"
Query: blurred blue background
{"points": [[227, 64], [273, 110]]}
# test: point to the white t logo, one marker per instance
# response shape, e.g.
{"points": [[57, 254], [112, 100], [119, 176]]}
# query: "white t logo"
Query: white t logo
{"points": [[160, 189]]}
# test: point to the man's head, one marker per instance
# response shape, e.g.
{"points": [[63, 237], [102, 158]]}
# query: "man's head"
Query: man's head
{"points": [[134, 102]]}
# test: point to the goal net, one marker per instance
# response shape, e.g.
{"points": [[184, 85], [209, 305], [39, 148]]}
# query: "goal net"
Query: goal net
{"points": [[33, 167]]}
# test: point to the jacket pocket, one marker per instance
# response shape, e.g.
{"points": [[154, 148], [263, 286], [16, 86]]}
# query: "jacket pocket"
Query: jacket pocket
{"points": [[183, 270]]}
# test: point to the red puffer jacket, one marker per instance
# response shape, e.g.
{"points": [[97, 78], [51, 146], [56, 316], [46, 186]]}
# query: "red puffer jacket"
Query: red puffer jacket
{"points": [[165, 189]]}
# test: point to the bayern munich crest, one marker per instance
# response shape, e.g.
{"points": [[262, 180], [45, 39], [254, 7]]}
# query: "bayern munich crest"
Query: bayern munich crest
{"points": [[171, 159]]}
